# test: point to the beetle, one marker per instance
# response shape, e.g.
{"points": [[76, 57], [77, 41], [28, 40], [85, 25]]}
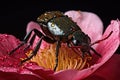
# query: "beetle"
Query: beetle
{"points": [[59, 28]]}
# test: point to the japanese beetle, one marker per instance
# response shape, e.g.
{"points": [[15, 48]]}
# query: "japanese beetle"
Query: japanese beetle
{"points": [[59, 28]]}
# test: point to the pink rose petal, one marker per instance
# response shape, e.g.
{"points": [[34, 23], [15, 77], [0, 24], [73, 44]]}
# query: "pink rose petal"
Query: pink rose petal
{"points": [[89, 22]]}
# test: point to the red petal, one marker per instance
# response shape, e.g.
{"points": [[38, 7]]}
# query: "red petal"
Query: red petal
{"points": [[7, 44], [16, 76], [39, 71], [64, 75], [89, 22], [109, 71], [29, 71]]}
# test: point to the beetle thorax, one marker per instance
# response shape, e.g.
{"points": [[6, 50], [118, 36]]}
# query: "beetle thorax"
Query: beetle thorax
{"points": [[44, 18]]}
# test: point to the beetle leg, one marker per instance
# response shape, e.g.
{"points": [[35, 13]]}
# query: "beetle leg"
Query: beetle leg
{"points": [[34, 52], [23, 42], [11, 52], [47, 39], [42, 37], [57, 52], [95, 52], [89, 53], [83, 54], [102, 39], [31, 42]]}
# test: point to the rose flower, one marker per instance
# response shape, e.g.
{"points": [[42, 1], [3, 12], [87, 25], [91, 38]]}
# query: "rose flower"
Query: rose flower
{"points": [[71, 66]]}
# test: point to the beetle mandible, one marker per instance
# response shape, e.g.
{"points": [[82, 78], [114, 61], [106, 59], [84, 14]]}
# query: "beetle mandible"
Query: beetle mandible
{"points": [[59, 28]]}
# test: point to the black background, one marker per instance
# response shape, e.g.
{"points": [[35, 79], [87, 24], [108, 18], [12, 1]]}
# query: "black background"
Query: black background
{"points": [[14, 15]]}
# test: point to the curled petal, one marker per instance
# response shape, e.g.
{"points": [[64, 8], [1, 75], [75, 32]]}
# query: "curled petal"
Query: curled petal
{"points": [[32, 25], [89, 22]]}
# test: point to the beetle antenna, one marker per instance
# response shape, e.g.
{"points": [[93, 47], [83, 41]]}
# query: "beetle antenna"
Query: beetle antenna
{"points": [[98, 41]]}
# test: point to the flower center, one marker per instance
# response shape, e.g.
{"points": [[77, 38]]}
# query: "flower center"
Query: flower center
{"points": [[67, 58]]}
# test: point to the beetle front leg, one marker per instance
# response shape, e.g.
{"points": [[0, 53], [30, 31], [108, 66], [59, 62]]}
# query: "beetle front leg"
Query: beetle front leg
{"points": [[23, 42], [30, 42], [57, 53], [34, 52]]}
